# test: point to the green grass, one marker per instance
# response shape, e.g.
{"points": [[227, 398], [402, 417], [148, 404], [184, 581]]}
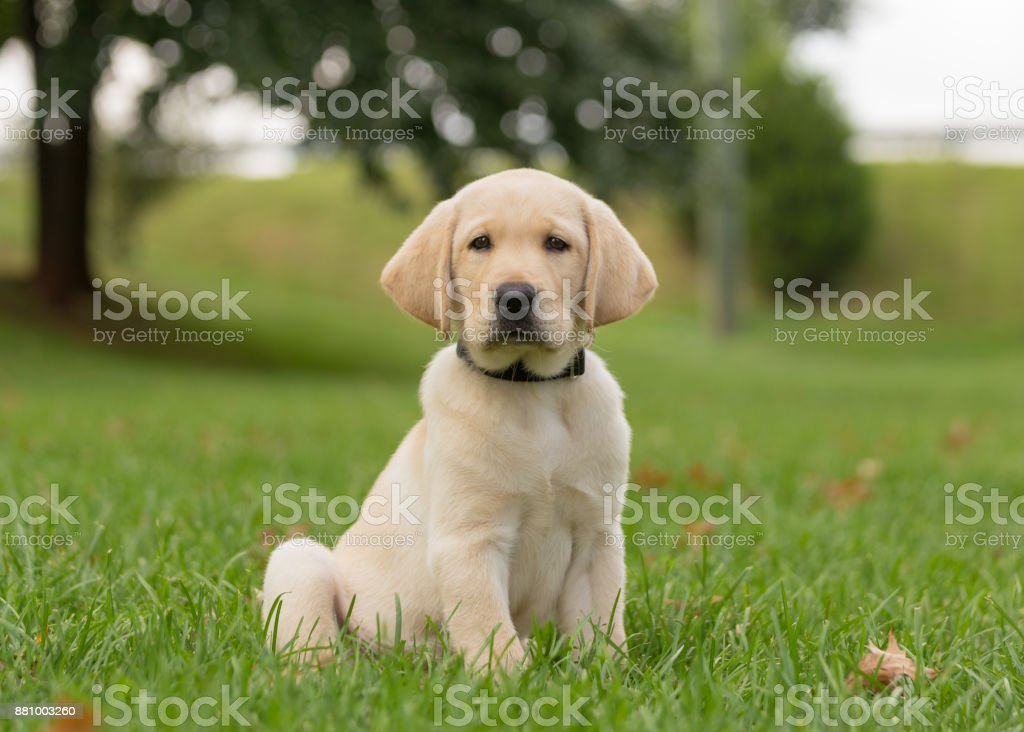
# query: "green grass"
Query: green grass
{"points": [[167, 456]]}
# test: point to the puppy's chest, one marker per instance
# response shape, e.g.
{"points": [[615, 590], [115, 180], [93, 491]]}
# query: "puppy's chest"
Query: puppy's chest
{"points": [[565, 467], [561, 456], [560, 441]]}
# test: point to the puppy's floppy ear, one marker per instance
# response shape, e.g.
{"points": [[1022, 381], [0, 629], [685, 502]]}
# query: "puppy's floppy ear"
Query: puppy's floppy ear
{"points": [[423, 259], [620, 278]]}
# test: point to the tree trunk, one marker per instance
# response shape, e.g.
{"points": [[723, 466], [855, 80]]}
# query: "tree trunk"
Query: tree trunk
{"points": [[62, 182], [62, 193], [721, 210]]}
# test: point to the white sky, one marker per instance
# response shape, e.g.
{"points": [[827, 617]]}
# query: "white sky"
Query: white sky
{"points": [[888, 68]]}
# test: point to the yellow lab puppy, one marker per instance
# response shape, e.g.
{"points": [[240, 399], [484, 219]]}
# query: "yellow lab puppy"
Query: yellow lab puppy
{"points": [[501, 507]]}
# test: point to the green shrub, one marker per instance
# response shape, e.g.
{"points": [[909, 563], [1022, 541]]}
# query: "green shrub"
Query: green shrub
{"points": [[808, 204]]}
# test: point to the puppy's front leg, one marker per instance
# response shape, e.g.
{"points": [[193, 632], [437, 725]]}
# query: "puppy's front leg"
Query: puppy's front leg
{"points": [[470, 546], [608, 585], [595, 586]]}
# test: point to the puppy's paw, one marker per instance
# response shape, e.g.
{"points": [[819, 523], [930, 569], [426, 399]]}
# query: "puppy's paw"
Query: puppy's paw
{"points": [[506, 658]]}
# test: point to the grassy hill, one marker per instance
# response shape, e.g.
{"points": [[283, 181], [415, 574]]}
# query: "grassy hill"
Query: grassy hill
{"points": [[310, 248]]}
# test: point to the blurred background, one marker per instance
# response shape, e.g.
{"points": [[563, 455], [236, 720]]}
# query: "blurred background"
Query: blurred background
{"points": [[191, 155]]}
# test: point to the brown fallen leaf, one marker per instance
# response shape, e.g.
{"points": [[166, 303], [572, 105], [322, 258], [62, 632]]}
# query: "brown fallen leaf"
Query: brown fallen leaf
{"points": [[696, 530], [958, 435], [701, 476], [879, 670], [647, 476], [847, 492], [71, 724]]}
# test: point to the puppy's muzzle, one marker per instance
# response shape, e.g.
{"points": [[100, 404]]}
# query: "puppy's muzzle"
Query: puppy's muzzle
{"points": [[515, 302]]}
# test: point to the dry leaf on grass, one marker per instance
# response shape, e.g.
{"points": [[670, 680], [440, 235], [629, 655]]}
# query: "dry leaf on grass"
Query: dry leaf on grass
{"points": [[647, 476], [958, 436], [843, 493], [847, 492], [879, 670], [701, 476], [697, 529], [71, 724]]}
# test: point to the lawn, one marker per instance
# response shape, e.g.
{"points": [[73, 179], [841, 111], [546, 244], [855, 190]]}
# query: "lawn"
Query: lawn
{"points": [[848, 447]]}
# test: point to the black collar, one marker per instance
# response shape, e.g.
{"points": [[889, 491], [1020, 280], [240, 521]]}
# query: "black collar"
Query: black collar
{"points": [[519, 372]]}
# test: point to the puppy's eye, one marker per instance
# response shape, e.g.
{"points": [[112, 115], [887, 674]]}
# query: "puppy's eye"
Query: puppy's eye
{"points": [[480, 244], [554, 244]]}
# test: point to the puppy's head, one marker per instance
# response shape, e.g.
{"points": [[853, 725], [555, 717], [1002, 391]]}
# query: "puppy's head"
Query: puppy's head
{"points": [[520, 265]]}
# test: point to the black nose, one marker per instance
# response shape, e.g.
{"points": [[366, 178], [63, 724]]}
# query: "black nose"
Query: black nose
{"points": [[515, 300]]}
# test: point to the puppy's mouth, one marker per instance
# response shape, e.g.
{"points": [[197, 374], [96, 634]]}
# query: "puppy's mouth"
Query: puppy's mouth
{"points": [[521, 334], [518, 336]]}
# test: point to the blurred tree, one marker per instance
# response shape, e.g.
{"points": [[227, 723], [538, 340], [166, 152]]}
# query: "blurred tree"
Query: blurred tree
{"points": [[513, 76], [716, 28], [809, 207], [808, 204]]}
